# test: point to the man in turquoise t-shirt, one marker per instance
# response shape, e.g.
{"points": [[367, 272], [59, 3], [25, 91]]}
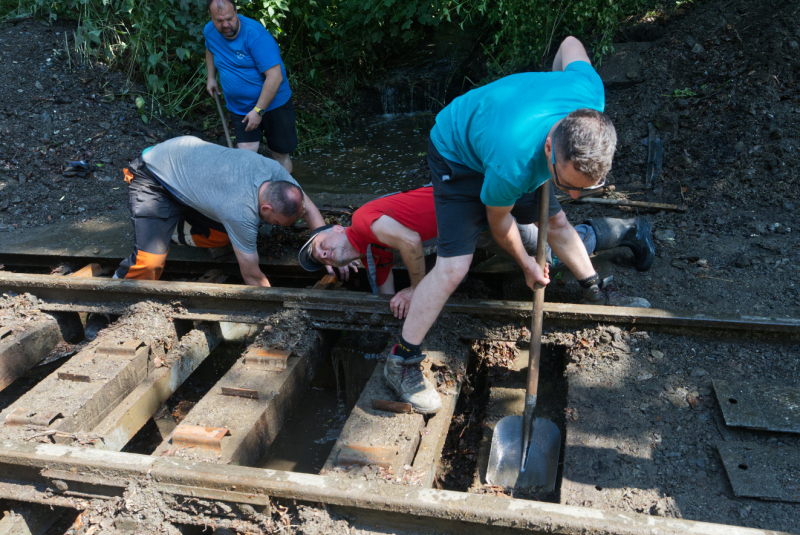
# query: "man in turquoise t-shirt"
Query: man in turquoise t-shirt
{"points": [[489, 148], [254, 79]]}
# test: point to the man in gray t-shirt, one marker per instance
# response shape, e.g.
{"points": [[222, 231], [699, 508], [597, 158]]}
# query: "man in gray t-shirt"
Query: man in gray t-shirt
{"points": [[196, 193]]}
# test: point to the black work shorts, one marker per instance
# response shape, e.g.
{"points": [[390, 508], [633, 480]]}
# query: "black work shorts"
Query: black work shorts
{"points": [[277, 125], [460, 213]]}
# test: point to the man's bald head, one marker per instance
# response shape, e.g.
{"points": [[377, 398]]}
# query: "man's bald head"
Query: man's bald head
{"points": [[224, 17], [231, 3], [281, 202]]}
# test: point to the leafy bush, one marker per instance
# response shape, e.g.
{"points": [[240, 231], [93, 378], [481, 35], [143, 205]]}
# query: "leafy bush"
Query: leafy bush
{"points": [[526, 30], [161, 41]]}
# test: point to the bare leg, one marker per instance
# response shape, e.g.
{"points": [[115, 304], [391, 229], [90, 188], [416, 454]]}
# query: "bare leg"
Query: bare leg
{"points": [[284, 159], [568, 247], [250, 145], [431, 295]]}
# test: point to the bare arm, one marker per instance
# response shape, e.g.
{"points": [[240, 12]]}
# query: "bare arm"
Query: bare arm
{"points": [[312, 215], [570, 50], [272, 81], [506, 234], [408, 242], [211, 74], [251, 272]]}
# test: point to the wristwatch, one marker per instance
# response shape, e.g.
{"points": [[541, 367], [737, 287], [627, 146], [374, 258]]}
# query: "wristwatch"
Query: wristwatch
{"points": [[259, 110]]}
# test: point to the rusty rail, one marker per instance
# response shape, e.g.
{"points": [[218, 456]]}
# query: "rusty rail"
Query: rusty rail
{"points": [[68, 476], [247, 304]]}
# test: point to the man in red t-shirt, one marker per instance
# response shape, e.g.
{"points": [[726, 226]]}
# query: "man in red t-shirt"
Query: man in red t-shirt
{"points": [[400, 222], [406, 223]]}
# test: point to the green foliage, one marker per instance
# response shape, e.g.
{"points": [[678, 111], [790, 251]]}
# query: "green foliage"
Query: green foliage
{"points": [[684, 93], [526, 31], [158, 41], [327, 44]]}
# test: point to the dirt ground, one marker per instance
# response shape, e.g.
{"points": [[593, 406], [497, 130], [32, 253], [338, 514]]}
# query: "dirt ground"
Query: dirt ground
{"points": [[719, 80], [728, 138]]}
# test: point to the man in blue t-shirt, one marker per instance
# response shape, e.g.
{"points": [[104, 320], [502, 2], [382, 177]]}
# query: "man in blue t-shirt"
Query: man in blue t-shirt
{"points": [[253, 79], [489, 152]]}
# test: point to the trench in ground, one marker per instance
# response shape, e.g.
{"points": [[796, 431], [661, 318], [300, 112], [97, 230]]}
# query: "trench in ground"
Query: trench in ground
{"points": [[466, 448]]}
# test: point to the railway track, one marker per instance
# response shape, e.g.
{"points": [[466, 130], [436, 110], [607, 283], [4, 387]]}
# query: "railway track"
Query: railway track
{"points": [[62, 440]]}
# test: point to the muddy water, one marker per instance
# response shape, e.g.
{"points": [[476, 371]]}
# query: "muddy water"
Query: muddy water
{"points": [[306, 440], [369, 156]]}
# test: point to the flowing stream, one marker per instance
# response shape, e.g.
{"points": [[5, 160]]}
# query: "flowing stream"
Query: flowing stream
{"points": [[371, 156]]}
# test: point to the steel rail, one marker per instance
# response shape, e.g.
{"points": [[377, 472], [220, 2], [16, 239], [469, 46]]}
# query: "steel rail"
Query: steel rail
{"points": [[62, 475], [250, 304], [185, 265]]}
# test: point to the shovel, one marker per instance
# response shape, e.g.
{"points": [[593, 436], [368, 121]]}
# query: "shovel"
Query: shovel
{"points": [[525, 450], [224, 122]]}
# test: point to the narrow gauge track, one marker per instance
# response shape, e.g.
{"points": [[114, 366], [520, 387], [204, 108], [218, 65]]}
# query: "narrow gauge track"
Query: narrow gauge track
{"points": [[223, 302], [188, 263], [115, 406]]}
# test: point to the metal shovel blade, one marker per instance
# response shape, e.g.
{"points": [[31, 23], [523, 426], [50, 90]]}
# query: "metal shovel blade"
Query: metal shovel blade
{"points": [[505, 457]]}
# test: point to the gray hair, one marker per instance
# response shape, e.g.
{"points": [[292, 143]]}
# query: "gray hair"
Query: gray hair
{"points": [[287, 199], [588, 139]]}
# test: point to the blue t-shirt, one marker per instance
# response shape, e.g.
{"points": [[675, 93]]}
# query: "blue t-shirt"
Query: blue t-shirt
{"points": [[500, 129], [241, 63]]}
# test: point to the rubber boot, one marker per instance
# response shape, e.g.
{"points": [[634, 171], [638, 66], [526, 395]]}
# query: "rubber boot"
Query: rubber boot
{"points": [[634, 233]]}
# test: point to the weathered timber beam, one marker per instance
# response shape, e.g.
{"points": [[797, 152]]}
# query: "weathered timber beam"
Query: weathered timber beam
{"points": [[26, 519], [635, 204], [24, 347], [444, 511], [249, 304], [139, 406], [250, 402], [434, 435], [75, 398]]}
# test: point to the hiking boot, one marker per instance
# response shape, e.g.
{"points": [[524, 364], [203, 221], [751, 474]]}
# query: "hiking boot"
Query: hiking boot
{"points": [[634, 233], [405, 377], [606, 293]]}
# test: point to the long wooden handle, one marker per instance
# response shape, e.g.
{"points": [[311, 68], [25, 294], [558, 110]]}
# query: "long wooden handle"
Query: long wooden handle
{"points": [[224, 122], [537, 317]]}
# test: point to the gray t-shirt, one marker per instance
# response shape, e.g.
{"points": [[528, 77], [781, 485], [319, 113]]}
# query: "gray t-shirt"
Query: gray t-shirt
{"points": [[218, 182]]}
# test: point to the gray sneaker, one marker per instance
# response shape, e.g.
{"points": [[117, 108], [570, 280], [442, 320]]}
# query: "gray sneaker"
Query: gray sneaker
{"points": [[606, 293], [406, 379]]}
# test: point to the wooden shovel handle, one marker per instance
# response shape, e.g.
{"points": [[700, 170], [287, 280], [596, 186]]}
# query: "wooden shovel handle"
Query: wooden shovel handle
{"points": [[537, 317], [224, 121]]}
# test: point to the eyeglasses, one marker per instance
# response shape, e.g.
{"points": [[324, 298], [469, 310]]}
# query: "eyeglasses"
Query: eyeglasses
{"points": [[565, 186]]}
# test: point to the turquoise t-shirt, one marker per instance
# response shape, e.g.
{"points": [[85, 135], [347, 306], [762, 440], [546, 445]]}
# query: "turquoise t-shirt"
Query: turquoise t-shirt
{"points": [[241, 63], [500, 129]]}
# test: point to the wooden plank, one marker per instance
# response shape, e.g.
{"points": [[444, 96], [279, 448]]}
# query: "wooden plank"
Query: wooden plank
{"points": [[29, 519], [22, 347], [141, 404], [253, 423], [89, 270], [375, 432], [328, 282], [435, 433], [84, 404], [370, 432]]}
